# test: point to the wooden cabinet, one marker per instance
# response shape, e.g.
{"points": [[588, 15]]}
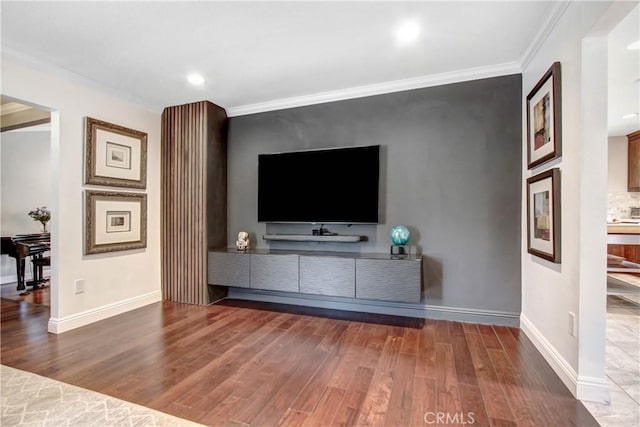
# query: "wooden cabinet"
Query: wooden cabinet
{"points": [[634, 161], [629, 252]]}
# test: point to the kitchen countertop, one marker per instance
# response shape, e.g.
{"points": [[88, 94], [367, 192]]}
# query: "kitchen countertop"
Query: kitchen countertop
{"points": [[622, 228]]}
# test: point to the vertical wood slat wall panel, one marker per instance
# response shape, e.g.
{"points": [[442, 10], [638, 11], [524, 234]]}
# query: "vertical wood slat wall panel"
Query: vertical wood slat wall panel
{"points": [[189, 133]]}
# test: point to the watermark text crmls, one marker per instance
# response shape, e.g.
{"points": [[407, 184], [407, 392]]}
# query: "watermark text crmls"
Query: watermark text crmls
{"points": [[449, 418]]}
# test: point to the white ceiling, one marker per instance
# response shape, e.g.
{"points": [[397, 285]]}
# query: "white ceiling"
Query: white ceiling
{"points": [[254, 55], [255, 52]]}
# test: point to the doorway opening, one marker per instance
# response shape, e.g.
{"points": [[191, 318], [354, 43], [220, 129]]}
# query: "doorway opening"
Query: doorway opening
{"points": [[25, 208], [622, 344]]}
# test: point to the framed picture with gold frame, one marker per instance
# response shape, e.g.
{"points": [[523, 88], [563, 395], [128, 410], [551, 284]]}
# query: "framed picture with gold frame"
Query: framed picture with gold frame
{"points": [[116, 156], [543, 215], [115, 221], [544, 118]]}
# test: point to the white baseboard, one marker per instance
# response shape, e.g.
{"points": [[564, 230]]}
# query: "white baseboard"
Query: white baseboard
{"points": [[593, 390], [63, 324], [583, 388], [12, 278], [491, 317]]}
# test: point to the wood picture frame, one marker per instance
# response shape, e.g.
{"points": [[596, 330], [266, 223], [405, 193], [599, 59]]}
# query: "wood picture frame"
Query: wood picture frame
{"points": [[114, 221], [115, 156], [543, 215], [544, 118]]}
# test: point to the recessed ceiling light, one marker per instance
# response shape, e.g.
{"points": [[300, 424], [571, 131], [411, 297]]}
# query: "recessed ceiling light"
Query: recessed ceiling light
{"points": [[634, 46], [407, 32], [630, 116], [195, 79]]}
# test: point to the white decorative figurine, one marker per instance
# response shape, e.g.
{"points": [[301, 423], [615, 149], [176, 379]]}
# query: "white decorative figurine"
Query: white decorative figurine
{"points": [[243, 241]]}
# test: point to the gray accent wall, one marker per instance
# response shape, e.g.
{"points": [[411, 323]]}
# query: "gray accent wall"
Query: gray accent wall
{"points": [[450, 171]]}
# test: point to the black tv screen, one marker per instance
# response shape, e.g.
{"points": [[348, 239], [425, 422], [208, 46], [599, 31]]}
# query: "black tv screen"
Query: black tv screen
{"points": [[338, 185]]}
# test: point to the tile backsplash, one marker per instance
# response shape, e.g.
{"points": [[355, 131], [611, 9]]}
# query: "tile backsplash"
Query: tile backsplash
{"points": [[619, 204]]}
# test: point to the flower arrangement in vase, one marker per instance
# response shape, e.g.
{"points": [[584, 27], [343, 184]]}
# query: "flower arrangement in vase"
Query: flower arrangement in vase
{"points": [[42, 215]]}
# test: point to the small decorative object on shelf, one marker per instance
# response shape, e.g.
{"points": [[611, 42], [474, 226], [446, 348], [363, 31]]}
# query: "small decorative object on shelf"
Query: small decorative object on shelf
{"points": [[42, 215], [243, 241], [399, 236]]}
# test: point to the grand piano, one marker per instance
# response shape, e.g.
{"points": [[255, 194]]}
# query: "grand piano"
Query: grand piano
{"points": [[22, 247]]}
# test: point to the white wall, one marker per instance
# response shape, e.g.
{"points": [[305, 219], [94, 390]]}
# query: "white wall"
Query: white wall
{"points": [[25, 174], [117, 281], [550, 291], [618, 165]]}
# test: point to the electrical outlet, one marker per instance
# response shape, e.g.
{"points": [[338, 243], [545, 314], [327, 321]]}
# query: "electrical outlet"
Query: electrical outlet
{"points": [[79, 286], [572, 324]]}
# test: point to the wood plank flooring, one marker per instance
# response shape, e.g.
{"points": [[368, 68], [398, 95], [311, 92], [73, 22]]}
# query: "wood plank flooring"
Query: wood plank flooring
{"points": [[244, 363], [42, 295]]}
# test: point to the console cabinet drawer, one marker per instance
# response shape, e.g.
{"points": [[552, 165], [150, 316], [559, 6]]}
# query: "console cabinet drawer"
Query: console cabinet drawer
{"points": [[328, 276], [274, 272], [388, 280], [228, 269]]}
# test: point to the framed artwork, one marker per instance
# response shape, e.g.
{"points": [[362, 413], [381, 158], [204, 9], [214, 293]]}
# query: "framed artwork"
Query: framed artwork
{"points": [[544, 118], [543, 215], [115, 221], [115, 156]]}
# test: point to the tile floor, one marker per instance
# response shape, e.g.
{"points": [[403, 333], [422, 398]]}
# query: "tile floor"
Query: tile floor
{"points": [[623, 362]]}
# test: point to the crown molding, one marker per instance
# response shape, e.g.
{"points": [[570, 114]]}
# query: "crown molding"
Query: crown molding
{"points": [[12, 53], [549, 24], [419, 82], [378, 89], [545, 30]]}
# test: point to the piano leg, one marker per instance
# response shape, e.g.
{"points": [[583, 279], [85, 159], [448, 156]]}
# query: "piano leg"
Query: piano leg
{"points": [[37, 276], [37, 272], [20, 273]]}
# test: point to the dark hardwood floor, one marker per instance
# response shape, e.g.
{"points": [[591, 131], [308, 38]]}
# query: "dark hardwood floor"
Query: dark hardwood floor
{"points": [[42, 295], [241, 363]]}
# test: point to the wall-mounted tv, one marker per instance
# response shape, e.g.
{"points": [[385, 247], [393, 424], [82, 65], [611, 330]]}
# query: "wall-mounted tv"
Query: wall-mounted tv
{"points": [[336, 185]]}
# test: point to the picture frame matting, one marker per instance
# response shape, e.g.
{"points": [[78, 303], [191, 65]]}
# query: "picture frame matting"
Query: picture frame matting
{"points": [[115, 156], [115, 221], [544, 118], [544, 216]]}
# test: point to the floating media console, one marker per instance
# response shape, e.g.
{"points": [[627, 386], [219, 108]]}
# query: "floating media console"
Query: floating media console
{"points": [[312, 238], [332, 274]]}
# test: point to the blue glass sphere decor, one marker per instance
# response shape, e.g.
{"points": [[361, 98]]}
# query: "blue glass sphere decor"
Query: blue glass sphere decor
{"points": [[399, 235]]}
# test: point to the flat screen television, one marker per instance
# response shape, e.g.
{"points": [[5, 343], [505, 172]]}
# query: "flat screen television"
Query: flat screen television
{"points": [[337, 185]]}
